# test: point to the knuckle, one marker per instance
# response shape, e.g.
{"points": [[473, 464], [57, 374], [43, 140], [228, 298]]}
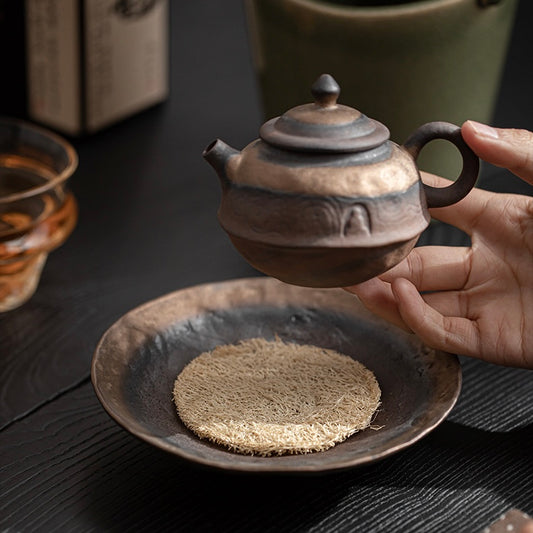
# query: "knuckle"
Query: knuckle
{"points": [[415, 267], [528, 207]]}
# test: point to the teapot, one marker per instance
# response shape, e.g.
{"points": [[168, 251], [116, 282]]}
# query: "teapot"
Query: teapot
{"points": [[324, 198]]}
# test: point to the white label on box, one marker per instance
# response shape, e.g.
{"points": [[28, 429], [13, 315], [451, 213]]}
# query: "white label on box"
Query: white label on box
{"points": [[126, 47], [53, 63]]}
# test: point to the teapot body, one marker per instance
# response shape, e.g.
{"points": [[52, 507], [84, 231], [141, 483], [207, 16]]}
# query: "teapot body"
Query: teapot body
{"points": [[321, 220], [324, 199]]}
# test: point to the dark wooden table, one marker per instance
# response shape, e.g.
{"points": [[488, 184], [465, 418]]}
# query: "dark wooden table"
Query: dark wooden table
{"points": [[148, 227]]}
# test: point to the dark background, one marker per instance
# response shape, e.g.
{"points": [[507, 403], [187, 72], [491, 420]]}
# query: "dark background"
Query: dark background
{"points": [[148, 226]]}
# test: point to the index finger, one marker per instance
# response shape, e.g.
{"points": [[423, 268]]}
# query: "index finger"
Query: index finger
{"points": [[504, 147], [433, 268]]}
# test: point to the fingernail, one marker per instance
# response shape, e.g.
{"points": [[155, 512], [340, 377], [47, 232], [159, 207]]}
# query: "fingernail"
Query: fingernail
{"points": [[483, 130]]}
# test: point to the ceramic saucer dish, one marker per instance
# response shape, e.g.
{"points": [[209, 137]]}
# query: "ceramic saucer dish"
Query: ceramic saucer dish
{"points": [[138, 358]]}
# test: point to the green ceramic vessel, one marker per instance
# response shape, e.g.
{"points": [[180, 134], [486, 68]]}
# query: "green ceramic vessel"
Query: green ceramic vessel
{"points": [[404, 63]]}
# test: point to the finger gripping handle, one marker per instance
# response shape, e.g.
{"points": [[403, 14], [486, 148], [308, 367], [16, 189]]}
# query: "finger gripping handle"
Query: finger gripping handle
{"points": [[443, 196]]}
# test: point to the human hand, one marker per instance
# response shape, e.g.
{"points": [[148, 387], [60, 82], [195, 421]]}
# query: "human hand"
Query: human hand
{"points": [[527, 527], [477, 300]]}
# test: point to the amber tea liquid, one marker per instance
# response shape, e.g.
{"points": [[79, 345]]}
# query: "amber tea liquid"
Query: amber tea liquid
{"points": [[29, 227]]}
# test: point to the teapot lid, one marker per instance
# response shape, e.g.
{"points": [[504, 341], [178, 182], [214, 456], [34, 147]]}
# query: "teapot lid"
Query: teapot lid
{"points": [[324, 126]]}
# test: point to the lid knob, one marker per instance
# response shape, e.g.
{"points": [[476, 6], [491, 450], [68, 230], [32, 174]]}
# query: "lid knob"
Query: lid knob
{"points": [[325, 91]]}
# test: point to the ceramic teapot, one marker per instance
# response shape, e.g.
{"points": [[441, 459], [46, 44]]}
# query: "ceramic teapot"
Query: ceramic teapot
{"points": [[324, 198]]}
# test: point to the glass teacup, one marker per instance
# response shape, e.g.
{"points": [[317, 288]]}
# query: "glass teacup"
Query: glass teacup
{"points": [[37, 212]]}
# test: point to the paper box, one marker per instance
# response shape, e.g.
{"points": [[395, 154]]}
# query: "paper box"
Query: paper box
{"points": [[91, 63]]}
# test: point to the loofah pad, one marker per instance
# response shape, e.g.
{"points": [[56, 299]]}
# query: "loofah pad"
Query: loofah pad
{"points": [[266, 398]]}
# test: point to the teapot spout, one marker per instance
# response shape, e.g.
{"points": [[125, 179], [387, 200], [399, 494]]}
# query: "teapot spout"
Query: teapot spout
{"points": [[217, 154]]}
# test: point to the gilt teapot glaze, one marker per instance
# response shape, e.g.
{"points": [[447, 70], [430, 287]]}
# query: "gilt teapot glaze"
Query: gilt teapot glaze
{"points": [[324, 198]]}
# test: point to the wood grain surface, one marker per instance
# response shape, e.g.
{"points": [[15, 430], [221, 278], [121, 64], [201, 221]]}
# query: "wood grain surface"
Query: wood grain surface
{"points": [[69, 467], [148, 226]]}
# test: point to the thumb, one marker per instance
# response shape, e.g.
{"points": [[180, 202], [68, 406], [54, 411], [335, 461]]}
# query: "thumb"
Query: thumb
{"points": [[507, 148]]}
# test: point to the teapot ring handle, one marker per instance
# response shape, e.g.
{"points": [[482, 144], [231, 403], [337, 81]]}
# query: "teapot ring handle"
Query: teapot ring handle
{"points": [[443, 196]]}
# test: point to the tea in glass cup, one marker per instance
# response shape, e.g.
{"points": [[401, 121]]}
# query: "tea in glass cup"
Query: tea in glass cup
{"points": [[37, 212]]}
